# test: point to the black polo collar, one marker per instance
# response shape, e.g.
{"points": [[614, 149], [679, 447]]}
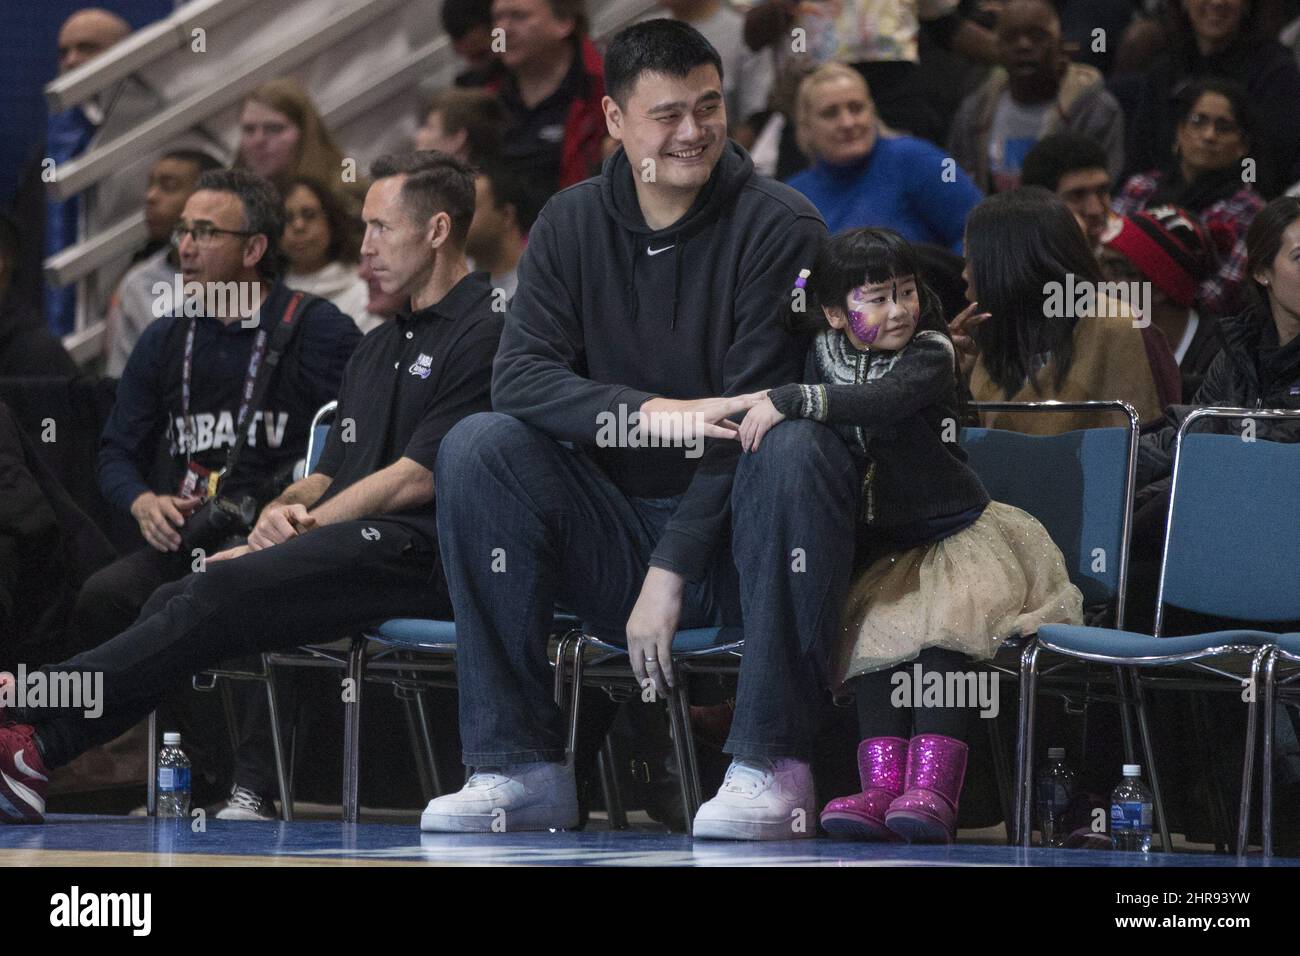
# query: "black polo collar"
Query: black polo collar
{"points": [[457, 303]]}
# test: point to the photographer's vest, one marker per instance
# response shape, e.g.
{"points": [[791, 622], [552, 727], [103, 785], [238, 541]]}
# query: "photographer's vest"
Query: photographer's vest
{"points": [[219, 383]]}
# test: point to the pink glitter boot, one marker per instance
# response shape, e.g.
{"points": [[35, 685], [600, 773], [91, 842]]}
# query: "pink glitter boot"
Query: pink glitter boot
{"points": [[927, 811], [881, 764]]}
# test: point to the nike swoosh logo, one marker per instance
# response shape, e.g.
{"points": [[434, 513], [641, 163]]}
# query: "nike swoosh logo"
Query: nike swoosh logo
{"points": [[25, 794], [21, 764], [655, 252]]}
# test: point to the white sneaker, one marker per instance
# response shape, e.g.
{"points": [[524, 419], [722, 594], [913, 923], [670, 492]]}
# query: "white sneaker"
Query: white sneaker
{"points": [[244, 804], [761, 799], [526, 796]]}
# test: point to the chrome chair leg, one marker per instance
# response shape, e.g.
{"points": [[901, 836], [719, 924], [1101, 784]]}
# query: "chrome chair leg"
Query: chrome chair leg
{"points": [[1021, 827], [683, 751], [426, 740], [1270, 719], [571, 747], [609, 786], [277, 744], [151, 744], [1001, 773], [1125, 715], [419, 756], [1148, 754], [228, 708], [562, 651], [684, 702], [354, 674]]}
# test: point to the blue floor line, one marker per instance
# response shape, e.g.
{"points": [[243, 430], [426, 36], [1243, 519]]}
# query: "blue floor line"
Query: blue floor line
{"points": [[330, 841]]}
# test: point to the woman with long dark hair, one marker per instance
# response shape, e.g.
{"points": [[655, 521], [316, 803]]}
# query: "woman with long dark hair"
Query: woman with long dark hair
{"points": [[1215, 127], [1052, 333]]}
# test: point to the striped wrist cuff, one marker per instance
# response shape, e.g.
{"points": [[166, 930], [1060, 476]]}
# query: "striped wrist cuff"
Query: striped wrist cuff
{"points": [[813, 403]]}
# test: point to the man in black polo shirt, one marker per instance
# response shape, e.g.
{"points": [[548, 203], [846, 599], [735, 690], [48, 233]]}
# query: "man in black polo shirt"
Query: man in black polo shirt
{"points": [[352, 544]]}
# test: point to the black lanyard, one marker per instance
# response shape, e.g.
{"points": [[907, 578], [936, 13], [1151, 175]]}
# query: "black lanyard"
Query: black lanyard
{"points": [[250, 382]]}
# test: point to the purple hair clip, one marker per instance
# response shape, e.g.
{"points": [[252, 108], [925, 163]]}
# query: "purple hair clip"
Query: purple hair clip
{"points": [[802, 281]]}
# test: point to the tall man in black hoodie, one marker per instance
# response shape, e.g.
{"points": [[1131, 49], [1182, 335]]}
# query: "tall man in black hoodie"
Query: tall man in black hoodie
{"points": [[652, 288]]}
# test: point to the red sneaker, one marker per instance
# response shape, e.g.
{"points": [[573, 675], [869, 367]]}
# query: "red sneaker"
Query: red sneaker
{"points": [[23, 777]]}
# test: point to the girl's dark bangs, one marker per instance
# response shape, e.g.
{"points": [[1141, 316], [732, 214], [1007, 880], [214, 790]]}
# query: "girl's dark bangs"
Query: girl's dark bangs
{"points": [[885, 260]]}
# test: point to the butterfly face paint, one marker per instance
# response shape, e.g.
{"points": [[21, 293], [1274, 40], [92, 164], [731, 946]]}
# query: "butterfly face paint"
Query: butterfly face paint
{"points": [[883, 315], [865, 332]]}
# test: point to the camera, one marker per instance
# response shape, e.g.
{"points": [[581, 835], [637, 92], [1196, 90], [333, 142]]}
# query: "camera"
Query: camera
{"points": [[219, 520]]}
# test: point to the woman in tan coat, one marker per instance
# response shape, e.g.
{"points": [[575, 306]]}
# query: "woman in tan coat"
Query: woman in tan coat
{"points": [[1055, 330]]}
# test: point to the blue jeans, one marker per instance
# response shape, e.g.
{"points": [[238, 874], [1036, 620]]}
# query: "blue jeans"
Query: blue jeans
{"points": [[525, 523]]}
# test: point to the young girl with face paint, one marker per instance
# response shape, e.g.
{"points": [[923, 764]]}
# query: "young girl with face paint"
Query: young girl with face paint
{"points": [[945, 574]]}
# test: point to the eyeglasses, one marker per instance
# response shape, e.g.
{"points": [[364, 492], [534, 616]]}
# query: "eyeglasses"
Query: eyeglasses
{"points": [[1222, 126], [204, 233]]}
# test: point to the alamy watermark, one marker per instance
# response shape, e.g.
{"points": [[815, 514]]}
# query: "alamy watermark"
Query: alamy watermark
{"points": [[216, 299], [651, 430], [1082, 298], [921, 688], [61, 690], [133, 911]]}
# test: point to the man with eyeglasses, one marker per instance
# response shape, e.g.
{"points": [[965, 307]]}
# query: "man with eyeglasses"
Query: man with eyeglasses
{"points": [[182, 398]]}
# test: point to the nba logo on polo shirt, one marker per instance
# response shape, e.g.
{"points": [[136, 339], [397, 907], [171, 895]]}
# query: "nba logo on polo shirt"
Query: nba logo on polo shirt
{"points": [[421, 366]]}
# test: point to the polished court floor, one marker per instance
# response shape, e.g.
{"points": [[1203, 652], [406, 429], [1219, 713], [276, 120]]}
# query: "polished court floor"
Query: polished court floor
{"points": [[138, 841]]}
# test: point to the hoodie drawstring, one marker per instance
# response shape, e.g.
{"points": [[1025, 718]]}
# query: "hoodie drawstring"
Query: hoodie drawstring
{"points": [[635, 298], [678, 242]]}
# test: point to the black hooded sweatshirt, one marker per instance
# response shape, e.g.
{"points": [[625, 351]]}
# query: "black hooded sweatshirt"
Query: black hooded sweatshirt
{"points": [[611, 313]]}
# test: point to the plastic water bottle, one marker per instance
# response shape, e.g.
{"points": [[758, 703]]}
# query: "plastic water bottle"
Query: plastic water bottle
{"points": [[1055, 790], [1130, 812], [173, 778]]}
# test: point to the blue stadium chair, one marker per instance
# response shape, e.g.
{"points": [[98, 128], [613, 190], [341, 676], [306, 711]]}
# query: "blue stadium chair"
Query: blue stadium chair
{"points": [[1108, 457], [1079, 485], [720, 647], [410, 655], [399, 652], [1229, 552]]}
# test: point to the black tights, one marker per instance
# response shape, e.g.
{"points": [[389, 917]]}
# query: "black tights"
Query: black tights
{"points": [[878, 717]]}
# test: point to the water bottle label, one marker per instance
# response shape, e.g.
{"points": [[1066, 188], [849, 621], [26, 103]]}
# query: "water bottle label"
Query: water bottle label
{"points": [[1130, 815], [172, 779], [1054, 795]]}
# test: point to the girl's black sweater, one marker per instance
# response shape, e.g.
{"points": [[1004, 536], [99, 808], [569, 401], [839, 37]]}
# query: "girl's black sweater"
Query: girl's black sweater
{"points": [[898, 412]]}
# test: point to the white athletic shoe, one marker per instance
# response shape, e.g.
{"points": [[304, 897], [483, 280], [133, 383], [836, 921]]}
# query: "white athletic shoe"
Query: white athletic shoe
{"points": [[244, 804], [761, 799], [526, 796]]}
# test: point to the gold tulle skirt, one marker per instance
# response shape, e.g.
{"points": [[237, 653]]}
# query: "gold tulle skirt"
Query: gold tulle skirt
{"points": [[999, 577]]}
